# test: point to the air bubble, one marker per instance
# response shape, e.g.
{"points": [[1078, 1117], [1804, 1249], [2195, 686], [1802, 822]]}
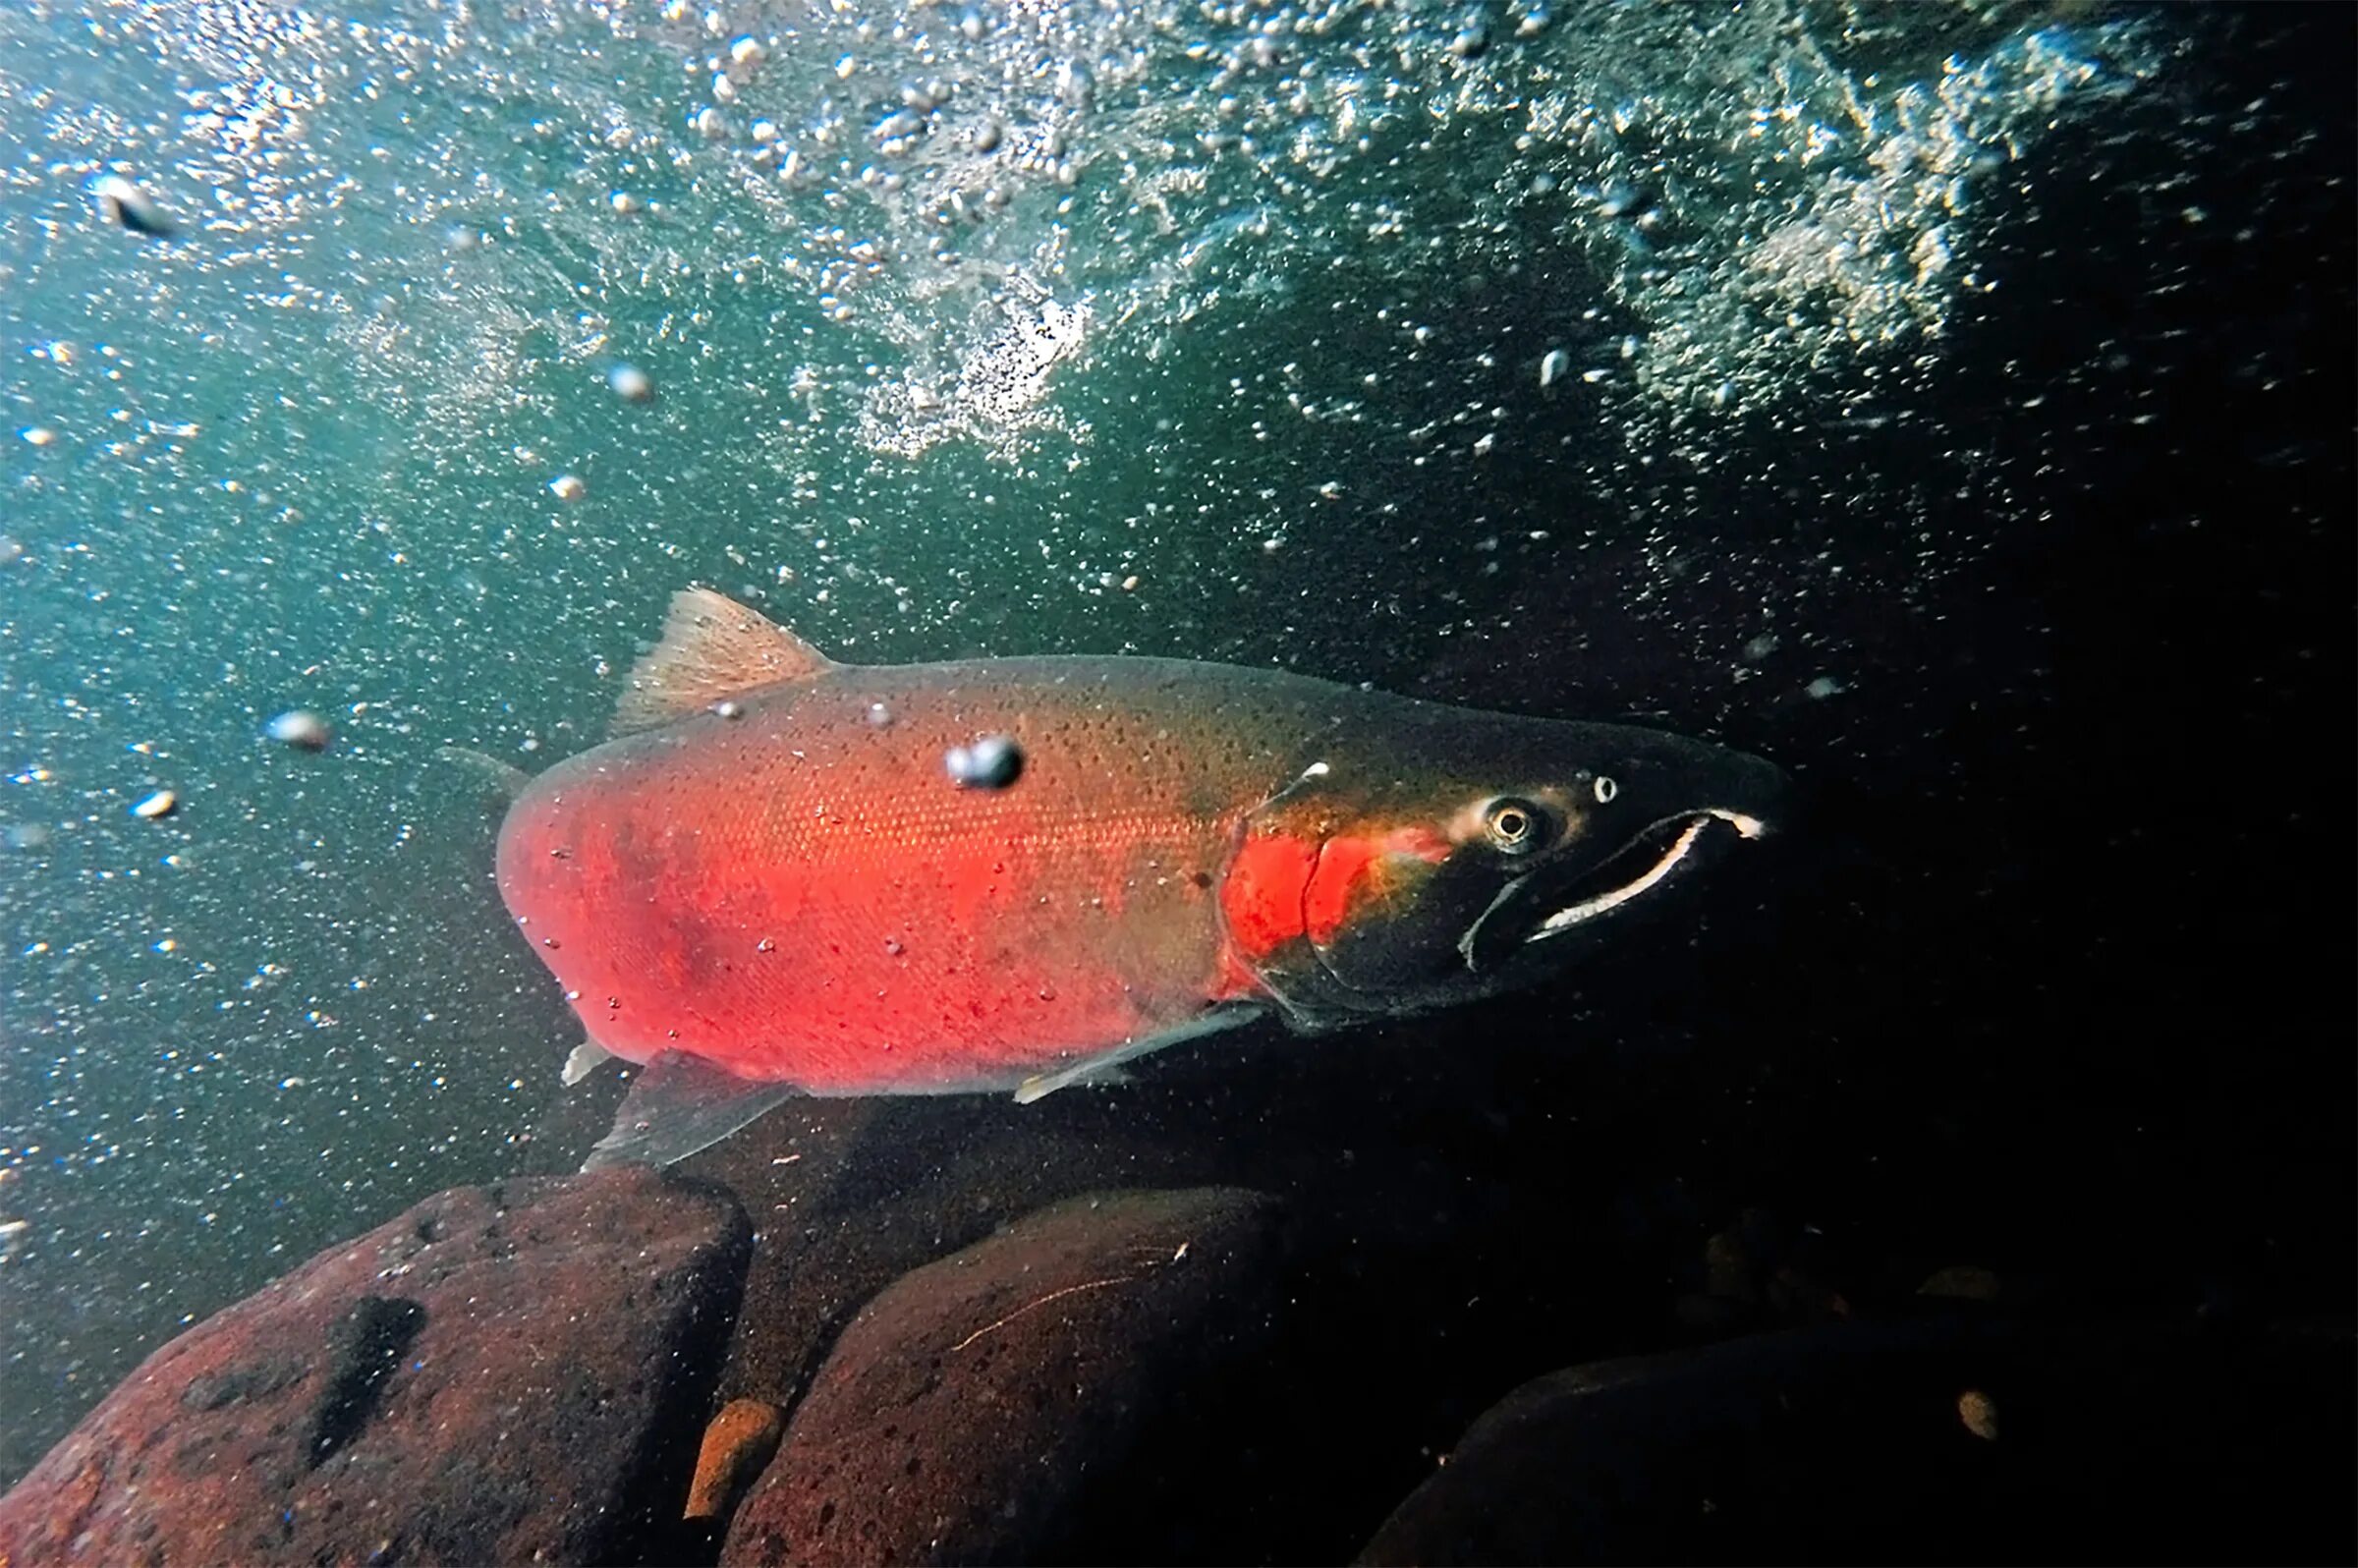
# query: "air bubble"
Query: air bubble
{"points": [[303, 731], [132, 207], [631, 384], [990, 762]]}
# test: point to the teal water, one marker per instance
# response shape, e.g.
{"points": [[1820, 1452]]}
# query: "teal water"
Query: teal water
{"points": [[1212, 331]]}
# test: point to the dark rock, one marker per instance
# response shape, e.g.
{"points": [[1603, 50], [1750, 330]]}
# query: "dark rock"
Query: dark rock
{"points": [[967, 1412], [509, 1373], [1884, 1442], [1760, 1274], [850, 1196]]}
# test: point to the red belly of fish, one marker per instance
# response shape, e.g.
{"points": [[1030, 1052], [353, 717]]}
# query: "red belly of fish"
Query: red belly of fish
{"points": [[803, 897]]}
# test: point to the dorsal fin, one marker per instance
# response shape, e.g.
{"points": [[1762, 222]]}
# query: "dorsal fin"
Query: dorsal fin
{"points": [[711, 647]]}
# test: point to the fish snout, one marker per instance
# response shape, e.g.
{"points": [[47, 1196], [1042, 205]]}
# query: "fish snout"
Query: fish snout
{"points": [[1750, 794]]}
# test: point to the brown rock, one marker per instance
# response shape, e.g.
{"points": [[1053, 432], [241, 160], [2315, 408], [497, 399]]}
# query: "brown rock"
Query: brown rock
{"points": [[1979, 1412], [966, 1413], [507, 1374], [737, 1444]]}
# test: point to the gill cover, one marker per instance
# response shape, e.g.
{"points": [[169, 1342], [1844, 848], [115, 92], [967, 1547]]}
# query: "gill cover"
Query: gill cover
{"points": [[1389, 901], [1347, 898]]}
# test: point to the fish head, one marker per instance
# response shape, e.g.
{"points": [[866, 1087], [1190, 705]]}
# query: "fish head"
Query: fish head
{"points": [[1475, 853]]}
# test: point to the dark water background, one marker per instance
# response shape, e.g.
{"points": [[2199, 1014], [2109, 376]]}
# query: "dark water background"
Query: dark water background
{"points": [[2036, 569]]}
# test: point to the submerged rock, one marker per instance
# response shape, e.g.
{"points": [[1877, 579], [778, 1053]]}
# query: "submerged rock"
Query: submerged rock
{"points": [[509, 1373], [971, 1412], [850, 1195], [1884, 1442]]}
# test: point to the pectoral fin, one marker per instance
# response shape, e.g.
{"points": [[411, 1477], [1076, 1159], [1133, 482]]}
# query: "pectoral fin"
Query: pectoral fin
{"points": [[1089, 1071], [585, 1060], [677, 1105], [1106, 1066]]}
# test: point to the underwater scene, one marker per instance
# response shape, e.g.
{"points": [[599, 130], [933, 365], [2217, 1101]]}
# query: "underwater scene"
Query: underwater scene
{"points": [[1077, 782]]}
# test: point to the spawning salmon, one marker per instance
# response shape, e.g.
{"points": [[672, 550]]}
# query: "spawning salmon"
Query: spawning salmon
{"points": [[768, 882]]}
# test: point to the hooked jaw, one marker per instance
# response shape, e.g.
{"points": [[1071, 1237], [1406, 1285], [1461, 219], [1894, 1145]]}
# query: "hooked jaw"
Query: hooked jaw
{"points": [[1650, 869]]}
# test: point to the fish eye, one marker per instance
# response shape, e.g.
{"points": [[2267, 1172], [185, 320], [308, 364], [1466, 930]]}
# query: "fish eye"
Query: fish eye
{"points": [[1606, 789], [1514, 827]]}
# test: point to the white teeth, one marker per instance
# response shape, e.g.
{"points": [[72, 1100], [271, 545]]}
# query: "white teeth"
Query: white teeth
{"points": [[1563, 919]]}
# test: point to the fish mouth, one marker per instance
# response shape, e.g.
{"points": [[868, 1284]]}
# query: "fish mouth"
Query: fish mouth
{"points": [[1650, 859]]}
